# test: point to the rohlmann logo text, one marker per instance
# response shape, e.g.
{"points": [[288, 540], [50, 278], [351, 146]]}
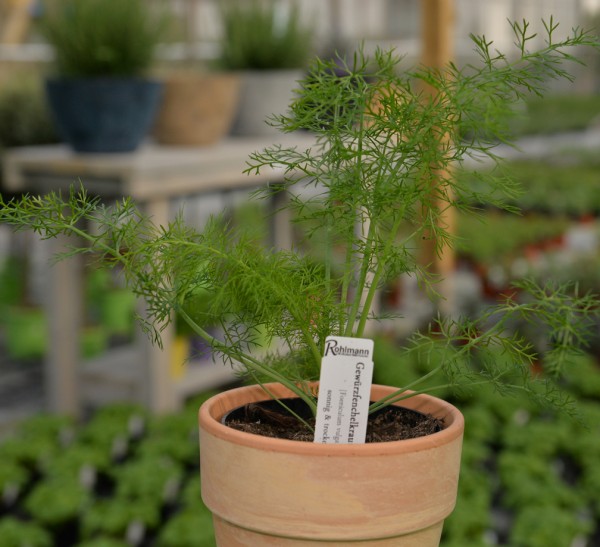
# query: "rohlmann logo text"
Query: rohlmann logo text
{"points": [[333, 348]]}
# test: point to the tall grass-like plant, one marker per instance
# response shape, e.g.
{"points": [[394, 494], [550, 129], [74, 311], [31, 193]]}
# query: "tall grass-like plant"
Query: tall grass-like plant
{"points": [[24, 116], [384, 145], [263, 35], [94, 38]]}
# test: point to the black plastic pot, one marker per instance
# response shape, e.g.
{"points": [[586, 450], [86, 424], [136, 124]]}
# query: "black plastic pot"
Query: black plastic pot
{"points": [[103, 114]]}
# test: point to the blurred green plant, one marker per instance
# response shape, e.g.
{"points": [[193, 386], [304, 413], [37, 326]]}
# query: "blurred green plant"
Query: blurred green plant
{"points": [[99, 38], [563, 185], [24, 117], [472, 516], [542, 526], [57, 501], [154, 478], [70, 462], [30, 452], [189, 528], [495, 238], [556, 114], [17, 533], [103, 542], [530, 481], [263, 35], [12, 475], [111, 517]]}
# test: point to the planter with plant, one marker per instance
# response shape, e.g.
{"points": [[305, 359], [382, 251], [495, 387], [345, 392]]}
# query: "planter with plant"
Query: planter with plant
{"points": [[381, 169], [198, 106], [24, 116], [268, 44], [101, 97]]}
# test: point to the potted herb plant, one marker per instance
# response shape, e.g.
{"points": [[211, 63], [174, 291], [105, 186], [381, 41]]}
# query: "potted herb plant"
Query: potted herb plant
{"points": [[101, 97], [381, 178], [268, 45]]}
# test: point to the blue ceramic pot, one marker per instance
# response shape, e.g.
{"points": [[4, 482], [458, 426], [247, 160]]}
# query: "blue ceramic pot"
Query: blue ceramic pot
{"points": [[103, 114]]}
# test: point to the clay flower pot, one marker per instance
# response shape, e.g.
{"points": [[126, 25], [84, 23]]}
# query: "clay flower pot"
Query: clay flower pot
{"points": [[273, 492], [197, 109]]}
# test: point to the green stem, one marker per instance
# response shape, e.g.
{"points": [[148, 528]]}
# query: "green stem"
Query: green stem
{"points": [[384, 401], [346, 282], [287, 408], [360, 286], [300, 319], [390, 400], [367, 252], [376, 278], [96, 243], [248, 361]]}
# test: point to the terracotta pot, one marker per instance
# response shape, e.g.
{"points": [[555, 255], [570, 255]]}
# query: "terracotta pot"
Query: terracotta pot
{"points": [[273, 492], [197, 109]]}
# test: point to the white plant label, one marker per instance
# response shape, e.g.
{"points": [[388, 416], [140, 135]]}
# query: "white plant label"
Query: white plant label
{"points": [[344, 390]]}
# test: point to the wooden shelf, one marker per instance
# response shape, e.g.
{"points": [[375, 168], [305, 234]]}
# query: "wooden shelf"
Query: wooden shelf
{"points": [[153, 176], [116, 376], [201, 375]]}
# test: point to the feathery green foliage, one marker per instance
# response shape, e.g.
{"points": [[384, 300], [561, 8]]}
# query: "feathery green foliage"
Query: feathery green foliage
{"points": [[384, 144], [96, 38]]}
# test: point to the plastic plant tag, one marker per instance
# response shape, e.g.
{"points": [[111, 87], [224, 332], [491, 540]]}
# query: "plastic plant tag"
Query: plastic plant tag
{"points": [[344, 390]]}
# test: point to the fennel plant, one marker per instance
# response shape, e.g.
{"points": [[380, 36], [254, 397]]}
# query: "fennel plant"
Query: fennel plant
{"points": [[386, 139]]}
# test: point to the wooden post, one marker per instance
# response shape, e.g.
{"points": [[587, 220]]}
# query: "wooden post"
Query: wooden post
{"points": [[17, 23], [437, 17], [159, 393], [62, 374]]}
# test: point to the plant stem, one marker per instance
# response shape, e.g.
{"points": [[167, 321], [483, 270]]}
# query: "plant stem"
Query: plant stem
{"points": [[375, 281], [249, 361], [360, 286], [287, 408], [392, 397], [346, 282], [397, 396], [293, 311]]}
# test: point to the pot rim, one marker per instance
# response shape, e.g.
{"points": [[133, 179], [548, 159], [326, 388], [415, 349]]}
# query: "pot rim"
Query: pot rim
{"points": [[213, 409]]}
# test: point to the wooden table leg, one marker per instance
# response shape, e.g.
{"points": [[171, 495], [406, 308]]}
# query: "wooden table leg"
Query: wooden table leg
{"points": [[64, 309], [158, 384]]}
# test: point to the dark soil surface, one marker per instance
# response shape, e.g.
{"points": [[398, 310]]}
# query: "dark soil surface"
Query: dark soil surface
{"points": [[270, 419]]}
